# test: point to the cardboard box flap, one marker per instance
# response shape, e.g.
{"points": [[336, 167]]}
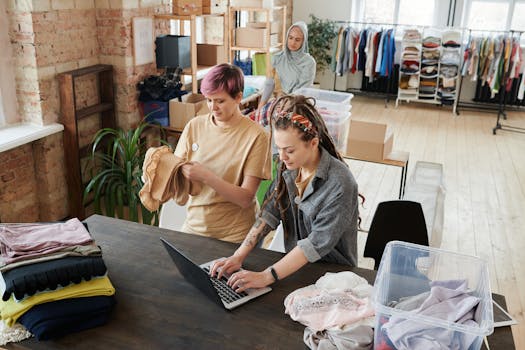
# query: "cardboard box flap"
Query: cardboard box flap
{"points": [[191, 106], [192, 98], [368, 131]]}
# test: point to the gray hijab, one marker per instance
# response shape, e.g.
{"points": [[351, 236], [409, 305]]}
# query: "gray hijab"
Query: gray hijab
{"points": [[295, 69]]}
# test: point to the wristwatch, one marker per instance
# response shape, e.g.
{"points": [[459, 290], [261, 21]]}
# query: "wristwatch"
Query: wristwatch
{"points": [[274, 274]]}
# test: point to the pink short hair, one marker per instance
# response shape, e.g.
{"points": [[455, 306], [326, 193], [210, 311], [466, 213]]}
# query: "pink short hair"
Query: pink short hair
{"points": [[223, 77]]}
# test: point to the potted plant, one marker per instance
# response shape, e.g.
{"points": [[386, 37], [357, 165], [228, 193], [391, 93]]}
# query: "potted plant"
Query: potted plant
{"points": [[321, 33], [117, 157]]}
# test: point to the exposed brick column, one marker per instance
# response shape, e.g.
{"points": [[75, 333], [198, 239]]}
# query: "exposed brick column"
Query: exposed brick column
{"points": [[49, 173], [114, 27], [18, 186]]}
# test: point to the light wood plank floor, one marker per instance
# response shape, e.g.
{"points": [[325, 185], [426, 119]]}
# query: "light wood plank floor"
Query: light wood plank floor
{"points": [[484, 179]]}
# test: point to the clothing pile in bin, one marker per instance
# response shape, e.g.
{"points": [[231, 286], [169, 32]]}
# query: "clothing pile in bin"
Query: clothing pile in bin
{"points": [[53, 281], [160, 88]]}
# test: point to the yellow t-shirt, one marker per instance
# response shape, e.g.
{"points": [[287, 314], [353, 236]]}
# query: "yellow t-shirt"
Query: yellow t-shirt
{"points": [[231, 153]]}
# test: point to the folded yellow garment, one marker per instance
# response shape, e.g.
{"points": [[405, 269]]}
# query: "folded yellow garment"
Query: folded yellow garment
{"points": [[11, 310]]}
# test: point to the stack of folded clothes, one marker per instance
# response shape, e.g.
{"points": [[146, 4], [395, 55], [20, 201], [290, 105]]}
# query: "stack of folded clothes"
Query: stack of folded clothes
{"points": [[53, 279]]}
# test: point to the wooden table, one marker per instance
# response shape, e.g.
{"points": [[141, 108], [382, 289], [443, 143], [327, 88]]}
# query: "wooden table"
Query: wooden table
{"points": [[157, 309], [395, 158]]}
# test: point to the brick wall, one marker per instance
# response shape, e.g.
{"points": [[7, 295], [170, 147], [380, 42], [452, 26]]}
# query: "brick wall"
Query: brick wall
{"points": [[18, 195], [49, 37]]}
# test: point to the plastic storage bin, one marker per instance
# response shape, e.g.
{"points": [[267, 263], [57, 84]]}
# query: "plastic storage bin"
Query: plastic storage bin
{"points": [[406, 270], [326, 99], [156, 112], [338, 124]]}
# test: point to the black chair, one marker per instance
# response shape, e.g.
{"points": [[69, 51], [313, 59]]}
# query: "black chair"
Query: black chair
{"points": [[398, 220]]}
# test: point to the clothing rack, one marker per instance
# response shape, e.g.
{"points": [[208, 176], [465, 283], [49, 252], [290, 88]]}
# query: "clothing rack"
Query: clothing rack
{"points": [[502, 97], [390, 82], [501, 111]]}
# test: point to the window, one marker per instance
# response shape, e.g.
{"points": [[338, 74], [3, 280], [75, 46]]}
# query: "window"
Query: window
{"points": [[379, 11], [416, 12], [490, 15], [410, 12], [518, 21], [494, 14]]}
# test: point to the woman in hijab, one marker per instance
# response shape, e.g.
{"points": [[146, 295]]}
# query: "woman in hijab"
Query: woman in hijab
{"points": [[293, 67]]}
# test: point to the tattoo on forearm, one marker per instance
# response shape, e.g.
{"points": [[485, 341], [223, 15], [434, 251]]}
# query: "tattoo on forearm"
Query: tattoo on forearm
{"points": [[258, 230]]}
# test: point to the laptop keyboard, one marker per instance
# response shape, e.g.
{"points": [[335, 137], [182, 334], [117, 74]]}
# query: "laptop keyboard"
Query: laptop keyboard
{"points": [[225, 291]]}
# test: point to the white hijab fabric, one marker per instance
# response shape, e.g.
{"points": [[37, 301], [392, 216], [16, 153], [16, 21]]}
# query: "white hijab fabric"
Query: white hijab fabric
{"points": [[296, 69]]}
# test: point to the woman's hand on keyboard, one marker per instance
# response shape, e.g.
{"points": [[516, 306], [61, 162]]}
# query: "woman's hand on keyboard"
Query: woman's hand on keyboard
{"points": [[244, 279], [226, 266]]}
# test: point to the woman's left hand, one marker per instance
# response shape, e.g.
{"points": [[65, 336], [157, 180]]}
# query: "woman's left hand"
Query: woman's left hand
{"points": [[196, 171], [244, 279]]}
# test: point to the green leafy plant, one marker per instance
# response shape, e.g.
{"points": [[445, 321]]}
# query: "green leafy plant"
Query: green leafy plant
{"points": [[116, 158], [321, 33]]}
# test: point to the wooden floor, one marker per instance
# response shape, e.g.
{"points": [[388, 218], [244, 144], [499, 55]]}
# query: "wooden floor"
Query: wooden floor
{"points": [[484, 179]]}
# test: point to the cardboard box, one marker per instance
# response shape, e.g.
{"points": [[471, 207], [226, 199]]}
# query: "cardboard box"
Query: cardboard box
{"points": [[191, 106], [213, 30], [187, 7], [253, 37], [369, 141], [210, 55], [274, 26], [246, 3], [214, 6], [252, 3]]}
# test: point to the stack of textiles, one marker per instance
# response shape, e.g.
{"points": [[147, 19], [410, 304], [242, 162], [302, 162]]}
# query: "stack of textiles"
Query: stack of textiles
{"points": [[409, 69], [368, 50], [336, 310], [429, 66], [450, 63], [496, 62], [53, 280], [448, 300]]}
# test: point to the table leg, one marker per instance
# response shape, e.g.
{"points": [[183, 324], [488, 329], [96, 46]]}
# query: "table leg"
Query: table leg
{"points": [[403, 181]]}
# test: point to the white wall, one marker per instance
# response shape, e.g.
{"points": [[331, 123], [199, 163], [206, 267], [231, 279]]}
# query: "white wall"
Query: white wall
{"points": [[337, 10]]}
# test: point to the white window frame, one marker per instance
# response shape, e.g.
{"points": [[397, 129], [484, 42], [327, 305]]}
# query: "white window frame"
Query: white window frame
{"points": [[512, 5], [8, 103]]}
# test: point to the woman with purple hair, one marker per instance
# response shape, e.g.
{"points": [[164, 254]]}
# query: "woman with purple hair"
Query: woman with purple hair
{"points": [[229, 154]]}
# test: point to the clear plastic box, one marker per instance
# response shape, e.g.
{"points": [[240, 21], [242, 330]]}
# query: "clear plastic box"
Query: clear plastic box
{"points": [[406, 270], [338, 124], [326, 99]]}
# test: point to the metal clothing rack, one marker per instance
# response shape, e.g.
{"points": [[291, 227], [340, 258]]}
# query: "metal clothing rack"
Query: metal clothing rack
{"points": [[503, 101], [359, 91], [501, 106]]}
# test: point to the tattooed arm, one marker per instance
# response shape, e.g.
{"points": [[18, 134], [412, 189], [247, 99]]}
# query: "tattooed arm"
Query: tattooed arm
{"points": [[259, 230]]}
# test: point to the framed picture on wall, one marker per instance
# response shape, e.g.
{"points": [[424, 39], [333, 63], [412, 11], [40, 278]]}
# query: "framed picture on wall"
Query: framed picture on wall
{"points": [[143, 41]]}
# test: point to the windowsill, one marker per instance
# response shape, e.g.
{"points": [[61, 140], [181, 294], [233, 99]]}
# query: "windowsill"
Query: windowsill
{"points": [[16, 135]]}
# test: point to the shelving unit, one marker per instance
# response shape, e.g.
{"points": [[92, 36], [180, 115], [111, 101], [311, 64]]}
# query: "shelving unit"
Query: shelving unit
{"points": [[449, 72], [268, 47], [410, 67], [71, 115], [430, 66], [195, 69], [438, 74]]}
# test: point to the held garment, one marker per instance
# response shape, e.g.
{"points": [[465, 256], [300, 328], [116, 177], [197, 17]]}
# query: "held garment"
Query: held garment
{"points": [[163, 179]]}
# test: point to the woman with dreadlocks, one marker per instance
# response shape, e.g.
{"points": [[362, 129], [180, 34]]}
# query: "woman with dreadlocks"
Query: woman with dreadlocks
{"points": [[314, 196]]}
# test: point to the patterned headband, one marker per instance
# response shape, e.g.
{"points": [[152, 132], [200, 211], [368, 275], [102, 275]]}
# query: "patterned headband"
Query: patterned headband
{"points": [[303, 123]]}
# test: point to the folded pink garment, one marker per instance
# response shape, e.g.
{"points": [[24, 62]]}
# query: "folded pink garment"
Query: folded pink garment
{"points": [[322, 309], [22, 241]]}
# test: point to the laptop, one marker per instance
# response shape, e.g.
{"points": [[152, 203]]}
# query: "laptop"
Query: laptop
{"points": [[215, 289]]}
